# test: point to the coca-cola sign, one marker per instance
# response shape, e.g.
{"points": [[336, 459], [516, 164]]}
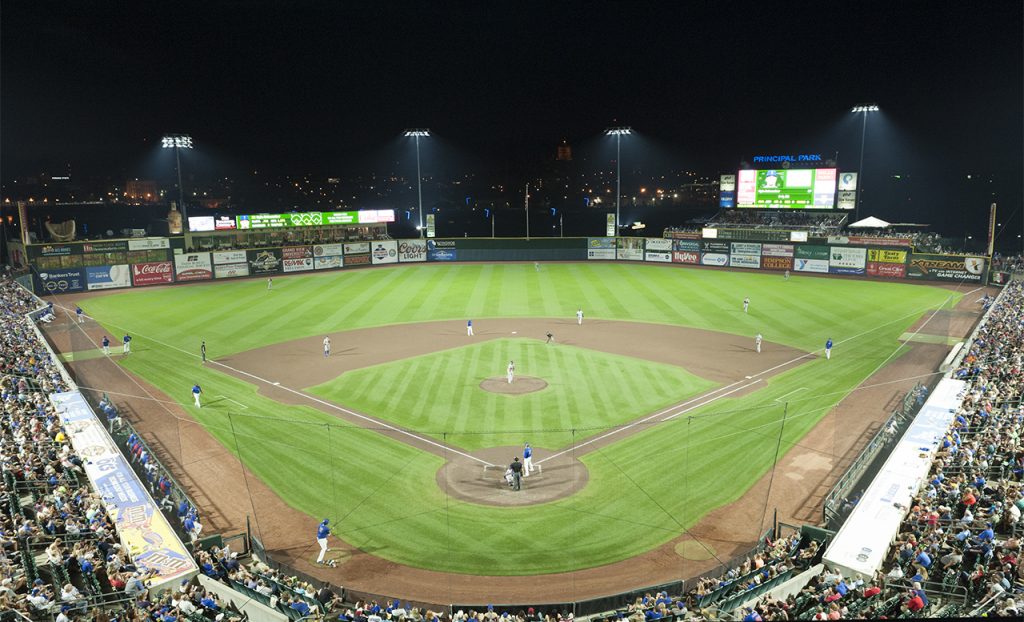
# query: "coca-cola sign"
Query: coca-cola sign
{"points": [[154, 273]]}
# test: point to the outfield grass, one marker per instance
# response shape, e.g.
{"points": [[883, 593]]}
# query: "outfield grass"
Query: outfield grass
{"points": [[642, 491]]}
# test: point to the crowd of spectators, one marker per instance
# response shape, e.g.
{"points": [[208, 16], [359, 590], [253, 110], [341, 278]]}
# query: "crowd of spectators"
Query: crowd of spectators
{"points": [[817, 223], [959, 546], [339, 236], [1008, 263]]}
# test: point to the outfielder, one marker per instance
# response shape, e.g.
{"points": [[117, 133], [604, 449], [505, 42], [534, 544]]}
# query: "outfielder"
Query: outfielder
{"points": [[127, 341], [757, 342], [579, 316], [202, 350], [469, 328], [746, 304], [786, 275], [327, 347], [511, 371], [321, 538], [828, 349], [196, 392], [527, 460], [270, 283]]}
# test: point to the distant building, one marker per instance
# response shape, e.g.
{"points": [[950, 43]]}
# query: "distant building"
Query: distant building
{"points": [[564, 152], [141, 191]]}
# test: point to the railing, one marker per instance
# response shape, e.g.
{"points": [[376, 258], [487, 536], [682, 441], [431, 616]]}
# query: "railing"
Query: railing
{"points": [[890, 432]]}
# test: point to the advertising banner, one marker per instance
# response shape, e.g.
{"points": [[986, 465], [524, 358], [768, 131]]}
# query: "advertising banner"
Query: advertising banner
{"points": [[714, 259], [412, 250], [847, 200], [297, 265], [357, 248], [630, 249], [51, 250], [143, 530], [773, 262], [887, 256], [441, 250], [323, 250], [600, 248], [658, 256], [848, 181], [745, 261], [745, 248], [108, 277], [357, 260], [727, 183], [686, 256], [946, 268], [846, 260], [685, 235], [296, 252], [328, 262], [229, 257], [867, 240], [715, 247], [385, 252], [193, 267], [148, 244], [810, 265], [658, 244], [60, 281], [230, 270], [152, 273], [431, 226], [808, 251], [686, 245], [117, 246], [887, 270], [609, 226], [266, 261], [776, 250], [727, 199]]}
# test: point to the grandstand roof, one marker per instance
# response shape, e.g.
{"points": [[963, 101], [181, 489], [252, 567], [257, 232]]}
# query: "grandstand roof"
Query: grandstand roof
{"points": [[870, 223]]}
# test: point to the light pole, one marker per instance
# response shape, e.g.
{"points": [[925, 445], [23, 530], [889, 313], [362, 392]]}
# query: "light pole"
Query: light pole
{"points": [[416, 133], [618, 133], [863, 110], [178, 142]]}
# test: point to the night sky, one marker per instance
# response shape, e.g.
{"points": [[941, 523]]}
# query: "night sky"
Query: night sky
{"points": [[320, 86]]}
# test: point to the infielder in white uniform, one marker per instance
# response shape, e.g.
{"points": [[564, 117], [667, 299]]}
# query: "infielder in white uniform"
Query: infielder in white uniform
{"points": [[757, 342], [579, 316], [511, 371], [327, 347]]}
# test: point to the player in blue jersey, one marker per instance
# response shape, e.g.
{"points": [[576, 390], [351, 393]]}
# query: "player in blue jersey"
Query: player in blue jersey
{"points": [[127, 344], [828, 349], [322, 531], [527, 460]]}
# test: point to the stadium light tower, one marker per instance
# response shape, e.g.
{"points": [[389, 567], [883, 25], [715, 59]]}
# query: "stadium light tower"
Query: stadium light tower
{"points": [[417, 133], [178, 142], [863, 110], [618, 133]]}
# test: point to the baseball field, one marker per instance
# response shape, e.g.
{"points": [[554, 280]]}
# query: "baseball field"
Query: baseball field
{"points": [[645, 418]]}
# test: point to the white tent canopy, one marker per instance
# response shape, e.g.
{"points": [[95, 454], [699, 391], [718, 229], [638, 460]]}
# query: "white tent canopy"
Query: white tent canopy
{"points": [[870, 223]]}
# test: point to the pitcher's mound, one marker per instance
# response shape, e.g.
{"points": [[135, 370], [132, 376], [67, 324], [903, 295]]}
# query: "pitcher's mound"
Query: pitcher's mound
{"points": [[522, 384]]}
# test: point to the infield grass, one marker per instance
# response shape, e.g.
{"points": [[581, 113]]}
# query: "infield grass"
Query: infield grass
{"points": [[439, 394], [643, 491]]}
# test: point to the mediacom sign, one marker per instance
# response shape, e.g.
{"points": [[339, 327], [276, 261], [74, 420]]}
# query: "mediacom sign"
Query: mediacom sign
{"points": [[714, 259], [946, 268], [152, 273]]}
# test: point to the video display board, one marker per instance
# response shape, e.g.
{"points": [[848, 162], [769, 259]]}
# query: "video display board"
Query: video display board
{"points": [[313, 219], [805, 188]]}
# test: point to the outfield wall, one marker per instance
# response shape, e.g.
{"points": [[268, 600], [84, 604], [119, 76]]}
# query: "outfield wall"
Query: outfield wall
{"points": [[118, 264]]}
